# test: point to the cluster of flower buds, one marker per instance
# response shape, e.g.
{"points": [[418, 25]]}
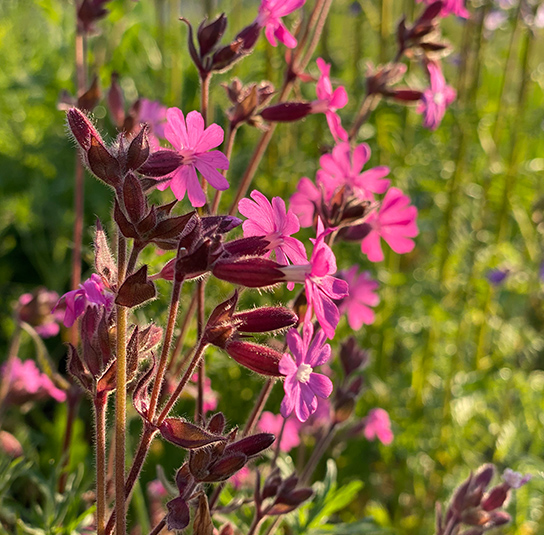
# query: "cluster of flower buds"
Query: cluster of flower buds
{"points": [[247, 100], [477, 508]]}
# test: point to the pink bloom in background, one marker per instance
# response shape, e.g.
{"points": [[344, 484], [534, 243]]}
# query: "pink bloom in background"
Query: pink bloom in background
{"points": [[395, 222], [302, 385], [361, 297], [304, 201], [154, 114], [36, 309], [455, 7], [272, 423], [210, 395], [321, 287], [156, 489], [242, 478], [91, 293], [343, 167], [328, 101], [269, 18], [378, 425], [26, 382], [436, 98], [193, 143]]}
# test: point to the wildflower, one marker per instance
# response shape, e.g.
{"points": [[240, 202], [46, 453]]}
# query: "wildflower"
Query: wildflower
{"points": [[497, 276], [378, 425], [273, 423], [210, 395], [455, 7], [361, 297], [344, 167], [154, 114], [302, 385], [436, 98], [269, 18], [193, 144], [514, 479], [303, 202], [35, 309], [395, 222], [328, 101], [321, 287]]}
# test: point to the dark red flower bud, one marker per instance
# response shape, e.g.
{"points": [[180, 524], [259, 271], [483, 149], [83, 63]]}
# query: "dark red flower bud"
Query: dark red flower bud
{"points": [[249, 36], [161, 163], [475, 516], [484, 475], [405, 95], [178, 516], [216, 424], [431, 12], [496, 497], [260, 359], [125, 226], [186, 435], [116, 101], [252, 445], [82, 128], [103, 165], [498, 518], [286, 112], [356, 233], [251, 272], [265, 319], [219, 224], [88, 100], [134, 199], [251, 246], [271, 484], [225, 467], [209, 35], [138, 150], [136, 289], [227, 56]]}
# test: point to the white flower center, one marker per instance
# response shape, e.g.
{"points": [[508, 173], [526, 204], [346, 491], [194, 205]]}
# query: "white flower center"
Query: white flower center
{"points": [[438, 99], [303, 373]]}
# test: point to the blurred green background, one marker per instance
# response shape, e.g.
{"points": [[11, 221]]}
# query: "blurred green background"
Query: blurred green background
{"points": [[456, 361]]}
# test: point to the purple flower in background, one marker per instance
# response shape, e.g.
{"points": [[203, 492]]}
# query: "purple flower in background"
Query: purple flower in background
{"points": [[436, 98], [193, 143], [302, 385], [454, 7], [329, 101], [36, 309], [361, 297], [269, 18], [497, 276], [378, 425], [515, 479], [91, 293], [272, 423], [154, 114]]}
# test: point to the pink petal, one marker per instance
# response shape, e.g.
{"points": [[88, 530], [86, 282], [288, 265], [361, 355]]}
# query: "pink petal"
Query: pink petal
{"points": [[195, 129], [287, 366], [194, 190], [285, 36], [361, 155], [175, 130], [320, 385], [339, 98], [295, 250], [326, 312], [178, 184], [294, 341], [211, 137], [371, 246], [214, 177], [270, 36], [335, 126]]}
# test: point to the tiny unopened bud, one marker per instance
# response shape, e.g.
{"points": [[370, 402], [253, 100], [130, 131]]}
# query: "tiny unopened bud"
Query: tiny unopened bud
{"points": [[252, 445], [286, 112], [161, 163], [9, 445], [210, 34], [82, 128], [260, 359], [138, 150], [496, 497]]}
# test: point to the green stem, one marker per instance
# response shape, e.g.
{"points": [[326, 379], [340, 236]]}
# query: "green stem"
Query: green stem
{"points": [[318, 452]]}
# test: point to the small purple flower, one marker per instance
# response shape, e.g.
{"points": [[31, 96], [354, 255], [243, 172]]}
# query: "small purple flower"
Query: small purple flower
{"points": [[35, 309], [361, 297], [497, 276], [515, 479], [269, 18], [378, 425], [302, 385]]}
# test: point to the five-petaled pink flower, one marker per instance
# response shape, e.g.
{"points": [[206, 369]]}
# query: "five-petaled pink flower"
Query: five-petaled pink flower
{"points": [[344, 167], [395, 222], [91, 293], [378, 425], [302, 385], [456, 7], [273, 423], [276, 224], [193, 143], [269, 18], [436, 98], [328, 101], [321, 287], [361, 297]]}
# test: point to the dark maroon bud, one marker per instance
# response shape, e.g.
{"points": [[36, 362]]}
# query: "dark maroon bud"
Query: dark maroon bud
{"points": [[209, 35], [220, 327], [260, 359], [251, 272], [90, 98], [89, 12], [178, 516], [186, 435], [134, 199], [431, 12], [286, 112], [148, 223], [356, 386], [128, 230], [249, 35], [183, 479], [103, 165], [227, 56], [252, 445], [116, 101], [216, 424], [496, 497], [82, 128], [136, 289], [271, 484], [199, 461], [77, 370], [458, 501], [498, 518], [170, 228], [104, 263], [475, 516], [219, 224], [352, 356], [225, 467], [265, 319], [405, 95], [138, 150], [295, 497], [194, 264], [433, 47], [356, 233], [484, 475], [161, 163], [253, 245]]}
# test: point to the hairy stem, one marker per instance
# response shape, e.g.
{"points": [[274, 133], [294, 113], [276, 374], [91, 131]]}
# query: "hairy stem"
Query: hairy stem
{"points": [[100, 405]]}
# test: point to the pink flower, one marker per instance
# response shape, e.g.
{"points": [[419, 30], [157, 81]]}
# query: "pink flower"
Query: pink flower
{"points": [[395, 222], [304, 201], [343, 167], [361, 297], [210, 395], [378, 425], [328, 101], [91, 293], [242, 478], [321, 287], [436, 98], [154, 114], [302, 385], [35, 309], [269, 18], [26, 382], [274, 223], [272, 423], [515, 479], [457, 7], [193, 143]]}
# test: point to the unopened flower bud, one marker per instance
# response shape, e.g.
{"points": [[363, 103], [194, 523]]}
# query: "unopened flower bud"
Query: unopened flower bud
{"points": [[286, 112], [252, 445], [82, 128], [475, 516], [209, 35], [258, 358], [498, 518], [265, 319], [161, 163], [250, 272], [352, 357], [496, 497]]}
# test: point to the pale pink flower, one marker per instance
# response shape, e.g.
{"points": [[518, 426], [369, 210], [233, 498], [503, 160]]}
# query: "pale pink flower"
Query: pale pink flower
{"points": [[436, 98], [272, 423], [304, 201], [269, 18], [193, 143], [242, 478], [455, 7], [210, 395], [344, 167], [515, 479], [329, 101], [378, 425], [154, 114], [321, 287], [357, 305], [302, 385], [91, 293], [395, 222], [36, 309]]}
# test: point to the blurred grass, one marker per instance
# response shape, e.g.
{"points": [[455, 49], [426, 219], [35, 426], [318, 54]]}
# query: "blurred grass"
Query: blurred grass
{"points": [[456, 362]]}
